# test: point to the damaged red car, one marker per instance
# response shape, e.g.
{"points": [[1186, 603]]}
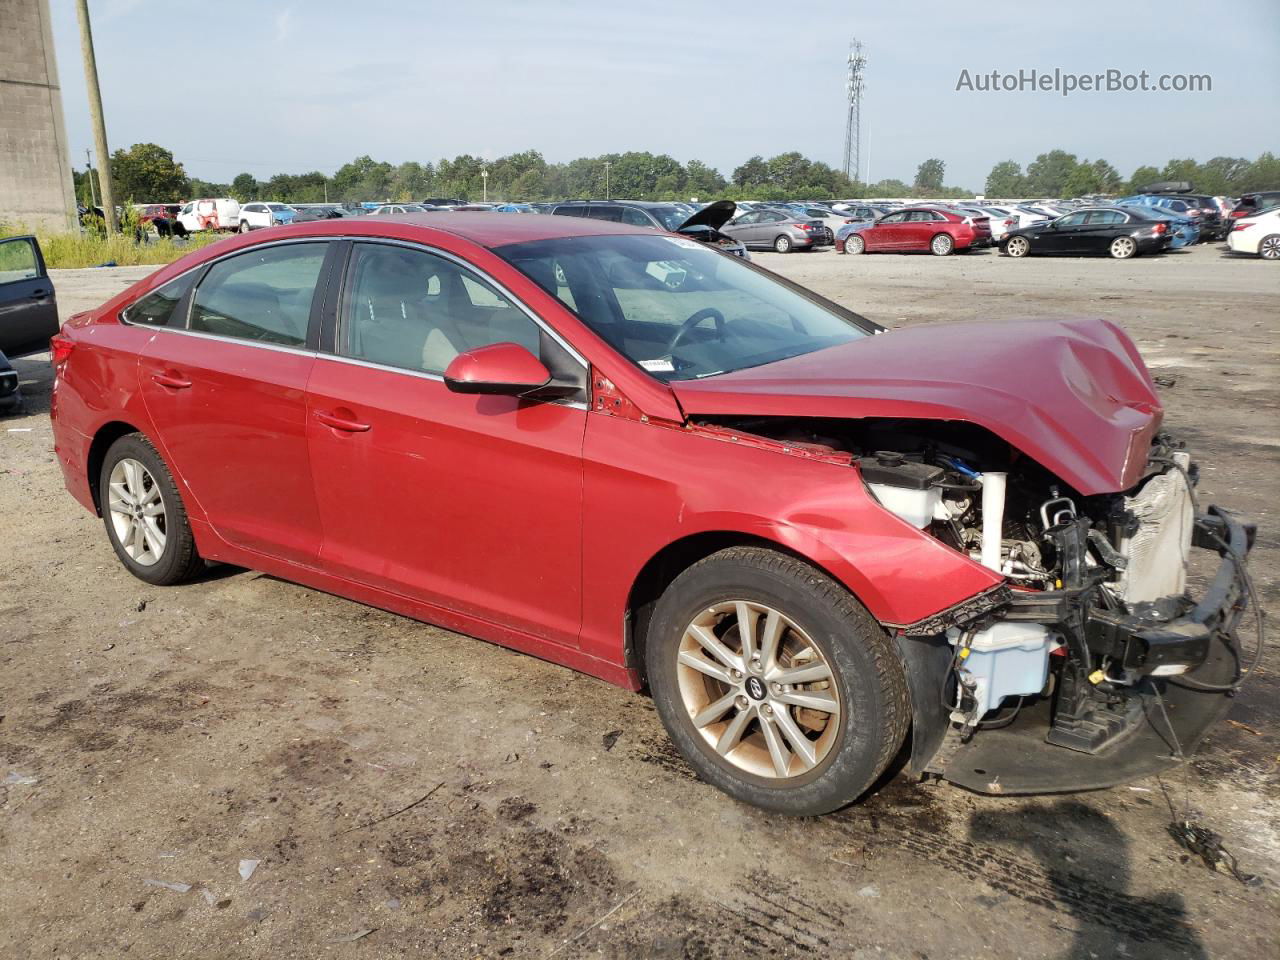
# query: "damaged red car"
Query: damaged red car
{"points": [[819, 544]]}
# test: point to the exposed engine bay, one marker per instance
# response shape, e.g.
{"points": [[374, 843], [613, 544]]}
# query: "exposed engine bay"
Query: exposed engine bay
{"points": [[1094, 610]]}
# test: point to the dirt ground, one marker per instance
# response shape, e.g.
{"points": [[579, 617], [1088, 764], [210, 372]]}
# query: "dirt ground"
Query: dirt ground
{"points": [[166, 735]]}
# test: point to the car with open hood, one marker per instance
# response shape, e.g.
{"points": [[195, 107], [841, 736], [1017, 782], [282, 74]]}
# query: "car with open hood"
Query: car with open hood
{"points": [[706, 225], [807, 536]]}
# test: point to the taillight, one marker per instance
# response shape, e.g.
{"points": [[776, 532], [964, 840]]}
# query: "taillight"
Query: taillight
{"points": [[1242, 225], [1009, 223], [1160, 228], [60, 347]]}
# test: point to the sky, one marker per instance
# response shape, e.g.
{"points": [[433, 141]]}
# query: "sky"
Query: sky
{"points": [[269, 86]]}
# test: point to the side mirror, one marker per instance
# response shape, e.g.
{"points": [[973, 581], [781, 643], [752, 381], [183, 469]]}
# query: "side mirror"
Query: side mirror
{"points": [[504, 369]]}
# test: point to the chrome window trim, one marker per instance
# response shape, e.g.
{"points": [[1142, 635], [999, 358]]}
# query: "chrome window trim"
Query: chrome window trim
{"points": [[278, 347], [423, 375]]}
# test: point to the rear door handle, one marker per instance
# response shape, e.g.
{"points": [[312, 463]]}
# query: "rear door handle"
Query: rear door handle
{"points": [[341, 423], [171, 380]]}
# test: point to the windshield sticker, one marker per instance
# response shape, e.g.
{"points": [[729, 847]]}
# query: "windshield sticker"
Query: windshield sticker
{"points": [[682, 242], [660, 365]]}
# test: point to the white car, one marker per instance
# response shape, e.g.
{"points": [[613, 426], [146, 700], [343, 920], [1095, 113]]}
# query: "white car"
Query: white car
{"points": [[255, 216], [210, 213], [1001, 219], [1258, 235]]}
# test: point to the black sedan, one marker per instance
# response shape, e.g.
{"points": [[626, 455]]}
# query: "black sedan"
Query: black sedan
{"points": [[1121, 233]]}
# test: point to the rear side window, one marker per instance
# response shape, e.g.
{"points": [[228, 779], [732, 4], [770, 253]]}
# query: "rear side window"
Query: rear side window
{"points": [[263, 295], [156, 309], [605, 213], [635, 217]]}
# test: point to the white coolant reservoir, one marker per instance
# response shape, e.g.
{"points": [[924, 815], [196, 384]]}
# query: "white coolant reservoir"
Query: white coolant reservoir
{"points": [[1005, 660], [992, 519], [905, 487]]}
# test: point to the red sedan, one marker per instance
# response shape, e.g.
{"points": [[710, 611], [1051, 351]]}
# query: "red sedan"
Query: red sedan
{"points": [[918, 229], [633, 455]]}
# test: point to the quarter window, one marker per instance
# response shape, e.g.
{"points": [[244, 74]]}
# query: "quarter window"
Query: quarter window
{"points": [[156, 308], [264, 295], [415, 310]]}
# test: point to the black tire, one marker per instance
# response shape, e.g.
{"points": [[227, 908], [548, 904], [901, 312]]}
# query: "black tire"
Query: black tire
{"points": [[866, 673], [178, 561], [782, 243]]}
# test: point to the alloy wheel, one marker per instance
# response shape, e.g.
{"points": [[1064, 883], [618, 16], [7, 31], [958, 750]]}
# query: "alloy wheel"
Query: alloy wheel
{"points": [[941, 245], [854, 245], [1269, 248], [137, 511], [1017, 247], [758, 690], [1123, 247]]}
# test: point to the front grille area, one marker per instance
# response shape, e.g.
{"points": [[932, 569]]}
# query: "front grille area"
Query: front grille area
{"points": [[1157, 552]]}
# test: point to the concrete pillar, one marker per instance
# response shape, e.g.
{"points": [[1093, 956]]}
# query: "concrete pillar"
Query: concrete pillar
{"points": [[35, 164]]}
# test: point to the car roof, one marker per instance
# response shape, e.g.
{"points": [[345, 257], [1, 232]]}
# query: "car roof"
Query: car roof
{"points": [[484, 229]]}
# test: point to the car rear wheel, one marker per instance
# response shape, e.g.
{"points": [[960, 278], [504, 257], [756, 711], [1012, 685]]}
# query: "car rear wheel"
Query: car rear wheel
{"points": [[774, 682], [941, 245], [854, 244], [782, 244], [1122, 248], [1269, 247], [1018, 247], [144, 515]]}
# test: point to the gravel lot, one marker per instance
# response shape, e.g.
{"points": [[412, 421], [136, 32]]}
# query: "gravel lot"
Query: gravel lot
{"points": [[154, 734]]}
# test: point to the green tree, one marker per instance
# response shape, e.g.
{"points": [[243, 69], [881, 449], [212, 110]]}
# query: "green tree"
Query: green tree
{"points": [[1263, 174], [1082, 180], [701, 180], [245, 187], [1006, 180], [1108, 178], [1141, 177], [888, 189], [753, 173], [206, 188], [1221, 175], [147, 172], [1047, 174], [929, 175], [361, 179]]}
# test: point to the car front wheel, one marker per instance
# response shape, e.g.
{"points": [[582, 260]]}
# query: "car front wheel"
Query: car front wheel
{"points": [[1018, 247], [144, 515], [854, 244], [774, 682]]}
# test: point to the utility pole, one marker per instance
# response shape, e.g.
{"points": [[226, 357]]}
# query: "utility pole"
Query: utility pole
{"points": [[606, 180], [484, 180], [95, 114], [88, 162]]}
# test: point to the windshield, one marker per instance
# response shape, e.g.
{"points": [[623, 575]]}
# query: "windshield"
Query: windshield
{"points": [[278, 207], [670, 217], [676, 308]]}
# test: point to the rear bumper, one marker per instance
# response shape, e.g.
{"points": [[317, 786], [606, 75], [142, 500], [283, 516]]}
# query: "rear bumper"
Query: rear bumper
{"points": [[1146, 728]]}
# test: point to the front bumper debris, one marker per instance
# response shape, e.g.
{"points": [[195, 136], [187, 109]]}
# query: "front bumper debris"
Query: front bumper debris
{"points": [[1095, 734]]}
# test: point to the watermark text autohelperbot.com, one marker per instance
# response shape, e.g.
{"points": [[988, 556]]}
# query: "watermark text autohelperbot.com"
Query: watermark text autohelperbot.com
{"points": [[1066, 83]]}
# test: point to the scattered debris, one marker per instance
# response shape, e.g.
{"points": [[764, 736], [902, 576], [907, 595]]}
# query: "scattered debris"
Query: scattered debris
{"points": [[1245, 727], [16, 779], [610, 738], [546, 765], [257, 915], [209, 896], [19, 429], [247, 867], [1207, 845], [582, 933], [395, 813], [352, 937], [871, 891], [392, 904], [142, 605], [175, 887], [167, 854], [1140, 789], [1164, 381], [109, 646]]}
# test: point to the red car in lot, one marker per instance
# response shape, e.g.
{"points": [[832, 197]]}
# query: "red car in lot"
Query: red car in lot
{"points": [[919, 229], [628, 453]]}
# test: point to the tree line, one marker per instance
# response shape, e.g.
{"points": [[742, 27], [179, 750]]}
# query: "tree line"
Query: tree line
{"points": [[147, 172]]}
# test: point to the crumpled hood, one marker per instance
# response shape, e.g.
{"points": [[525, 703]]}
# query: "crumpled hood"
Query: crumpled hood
{"points": [[1074, 395]]}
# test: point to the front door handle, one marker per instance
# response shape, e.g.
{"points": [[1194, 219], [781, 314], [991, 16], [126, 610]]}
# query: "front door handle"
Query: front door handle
{"points": [[39, 294], [171, 380], [341, 423]]}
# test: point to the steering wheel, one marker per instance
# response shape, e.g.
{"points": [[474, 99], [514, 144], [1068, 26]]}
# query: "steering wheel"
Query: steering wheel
{"points": [[693, 321]]}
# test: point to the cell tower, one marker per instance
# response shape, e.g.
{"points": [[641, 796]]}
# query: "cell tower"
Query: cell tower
{"points": [[854, 87]]}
